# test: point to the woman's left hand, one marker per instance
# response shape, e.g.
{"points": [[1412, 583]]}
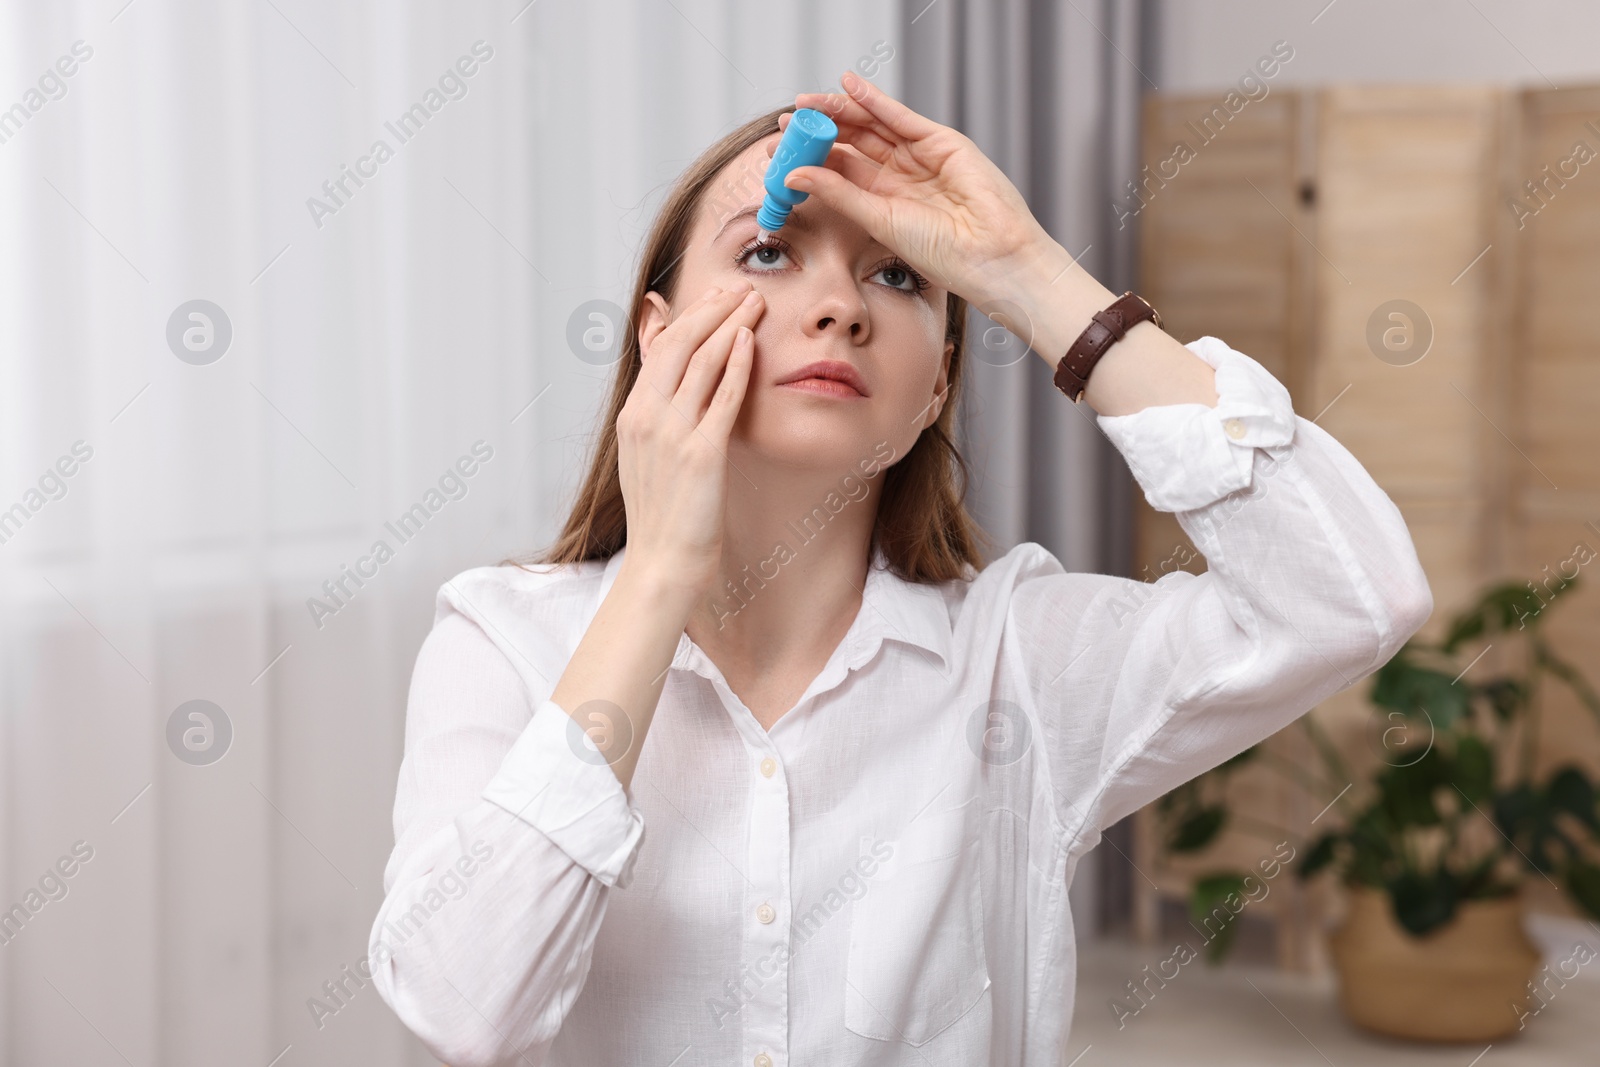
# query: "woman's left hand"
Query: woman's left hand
{"points": [[926, 192], [922, 189]]}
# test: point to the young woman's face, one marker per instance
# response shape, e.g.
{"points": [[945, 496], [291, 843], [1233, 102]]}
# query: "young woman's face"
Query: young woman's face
{"points": [[832, 294]]}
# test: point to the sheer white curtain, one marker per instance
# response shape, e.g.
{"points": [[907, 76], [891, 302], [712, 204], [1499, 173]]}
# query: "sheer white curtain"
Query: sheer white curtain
{"points": [[169, 503]]}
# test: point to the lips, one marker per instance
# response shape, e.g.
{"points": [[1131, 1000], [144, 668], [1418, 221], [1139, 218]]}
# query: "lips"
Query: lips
{"points": [[830, 370]]}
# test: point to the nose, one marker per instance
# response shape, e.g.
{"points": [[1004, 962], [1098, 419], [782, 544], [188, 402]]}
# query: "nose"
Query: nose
{"points": [[839, 310]]}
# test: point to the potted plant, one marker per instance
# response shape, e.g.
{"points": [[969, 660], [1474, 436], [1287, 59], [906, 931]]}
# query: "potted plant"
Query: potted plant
{"points": [[1435, 844]]}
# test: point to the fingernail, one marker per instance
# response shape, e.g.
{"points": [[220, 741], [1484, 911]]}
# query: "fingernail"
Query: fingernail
{"points": [[711, 292], [743, 335], [798, 182], [752, 298], [739, 286]]}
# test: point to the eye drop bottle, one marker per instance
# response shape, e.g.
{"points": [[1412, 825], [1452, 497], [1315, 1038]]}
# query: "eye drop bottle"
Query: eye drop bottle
{"points": [[805, 143]]}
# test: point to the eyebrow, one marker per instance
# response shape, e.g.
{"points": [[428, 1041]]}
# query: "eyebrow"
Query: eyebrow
{"points": [[796, 220]]}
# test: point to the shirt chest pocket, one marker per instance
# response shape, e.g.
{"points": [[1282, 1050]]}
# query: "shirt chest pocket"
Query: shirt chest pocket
{"points": [[916, 959]]}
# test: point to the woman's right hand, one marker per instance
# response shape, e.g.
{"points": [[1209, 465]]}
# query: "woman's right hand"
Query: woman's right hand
{"points": [[672, 436]]}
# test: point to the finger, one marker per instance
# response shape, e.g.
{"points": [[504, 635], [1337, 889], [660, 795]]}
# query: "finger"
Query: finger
{"points": [[867, 142], [845, 113], [867, 210], [705, 366], [867, 138], [729, 397], [665, 333], [673, 346], [886, 109], [857, 168]]}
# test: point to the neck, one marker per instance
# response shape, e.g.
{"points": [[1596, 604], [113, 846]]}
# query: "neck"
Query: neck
{"points": [[794, 564]]}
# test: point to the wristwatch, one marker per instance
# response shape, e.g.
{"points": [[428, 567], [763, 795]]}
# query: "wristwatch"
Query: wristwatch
{"points": [[1105, 329]]}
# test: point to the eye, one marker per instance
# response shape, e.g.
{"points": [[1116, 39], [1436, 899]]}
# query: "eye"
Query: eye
{"points": [[898, 275], [761, 257], [897, 278]]}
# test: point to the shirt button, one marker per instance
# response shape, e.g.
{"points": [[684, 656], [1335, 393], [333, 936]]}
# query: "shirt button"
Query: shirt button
{"points": [[763, 1060], [1234, 428], [768, 765], [765, 913]]}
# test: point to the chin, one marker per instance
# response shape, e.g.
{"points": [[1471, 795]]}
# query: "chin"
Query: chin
{"points": [[813, 444]]}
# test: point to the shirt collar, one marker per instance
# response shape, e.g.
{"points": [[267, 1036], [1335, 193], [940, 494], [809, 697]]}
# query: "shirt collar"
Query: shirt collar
{"points": [[891, 609]]}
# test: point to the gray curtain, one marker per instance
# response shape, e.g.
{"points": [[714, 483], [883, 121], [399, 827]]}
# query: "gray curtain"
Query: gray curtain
{"points": [[1049, 89]]}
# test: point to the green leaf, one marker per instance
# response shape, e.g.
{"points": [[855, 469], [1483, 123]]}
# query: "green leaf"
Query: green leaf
{"points": [[1406, 793], [1474, 770], [1506, 697], [1423, 902], [1583, 882], [1465, 627], [1420, 692], [1372, 838], [1528, 818], [1198, 829], [1209, 911], [1502, 608], [1571, 791], [1320, 854], [1241, 759]]}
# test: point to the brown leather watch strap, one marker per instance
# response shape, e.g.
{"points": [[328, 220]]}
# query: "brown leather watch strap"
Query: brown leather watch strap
{"points": [[1105, 329]]}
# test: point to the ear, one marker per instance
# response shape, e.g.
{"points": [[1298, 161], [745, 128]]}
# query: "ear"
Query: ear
{"points": [[941, 386], [656, 317]]}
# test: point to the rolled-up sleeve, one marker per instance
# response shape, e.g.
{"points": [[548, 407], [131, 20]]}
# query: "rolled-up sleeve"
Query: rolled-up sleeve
{"points": [[553, 780], [509, 835], [1312, 583]]}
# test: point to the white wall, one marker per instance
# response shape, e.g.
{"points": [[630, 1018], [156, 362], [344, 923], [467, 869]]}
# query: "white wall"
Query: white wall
{"points": [[1207, 44]]}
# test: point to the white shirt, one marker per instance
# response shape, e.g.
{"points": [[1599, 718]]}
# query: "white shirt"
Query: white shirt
{"points": [[882, 877]]}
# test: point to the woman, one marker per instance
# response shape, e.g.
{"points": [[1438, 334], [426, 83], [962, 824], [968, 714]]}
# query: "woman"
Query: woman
{"points": [[759, 766]]}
